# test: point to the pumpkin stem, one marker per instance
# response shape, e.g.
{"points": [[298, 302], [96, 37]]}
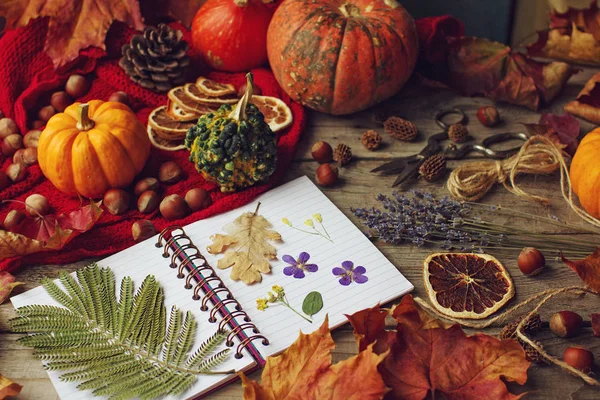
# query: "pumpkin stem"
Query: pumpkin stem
{"points": [[239, 112], [240, 3], [84, 123]]}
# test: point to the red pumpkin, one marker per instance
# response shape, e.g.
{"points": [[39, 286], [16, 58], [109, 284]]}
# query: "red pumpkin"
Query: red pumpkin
{"points": [[342, 56], [231, 35]]}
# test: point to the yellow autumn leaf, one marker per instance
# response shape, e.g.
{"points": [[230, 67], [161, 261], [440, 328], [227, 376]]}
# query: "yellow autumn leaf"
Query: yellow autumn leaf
{"points": [[14, 244], [246, 247], [8, 388]]}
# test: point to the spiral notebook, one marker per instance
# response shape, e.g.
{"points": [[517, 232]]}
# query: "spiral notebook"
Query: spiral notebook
{"points": [[179, 261]]}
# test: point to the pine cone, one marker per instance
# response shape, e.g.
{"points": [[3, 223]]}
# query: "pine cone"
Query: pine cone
{"points": [[458, 133], [400, 129], [157, 59], [342, 154], [371, 140], [533, 324], [433, 167], [532, 354]]}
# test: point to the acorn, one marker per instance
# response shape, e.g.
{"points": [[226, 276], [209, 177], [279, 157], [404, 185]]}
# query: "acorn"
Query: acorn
{"points": [[488, 116], [531, 261], [566, 323], [117, 201], [327, 175], [579, 358], [142, 229], [322, 152]]}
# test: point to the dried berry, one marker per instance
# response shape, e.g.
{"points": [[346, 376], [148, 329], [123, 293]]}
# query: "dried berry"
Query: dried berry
{"points": [[36, 204], [400, 129], [77, 86], [579, 358], [46, 113], [531, 261], [322, 152], [488, 116], [169, 172], [173, 207], [60, 101], [433, 167], [146, 184], [32, 138], [16, 172], [566, 323], [11, 144], [148, 201], [327, 175], [120, 97], [371, 140], [7, 128], [458, 133], [198, 199], [13, 219], [116, 201], [142, 230], [342, 154]]}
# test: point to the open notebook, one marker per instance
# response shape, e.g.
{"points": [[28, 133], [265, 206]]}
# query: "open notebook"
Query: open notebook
{"points": [[270, 331]]}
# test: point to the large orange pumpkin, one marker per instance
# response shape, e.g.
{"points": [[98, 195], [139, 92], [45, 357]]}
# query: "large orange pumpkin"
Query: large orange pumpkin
{"points": [[342, 56], [585, 173], [93, 147]]}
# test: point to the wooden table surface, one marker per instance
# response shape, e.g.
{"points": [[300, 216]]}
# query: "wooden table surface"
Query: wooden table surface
{"points": [[357, 188]]}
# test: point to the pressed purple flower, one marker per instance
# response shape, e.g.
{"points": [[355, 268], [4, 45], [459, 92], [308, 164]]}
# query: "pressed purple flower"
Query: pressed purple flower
{"points": [[296, 267], [348, 273]]}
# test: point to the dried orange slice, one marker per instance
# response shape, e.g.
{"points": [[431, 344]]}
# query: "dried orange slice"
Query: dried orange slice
{"points": [[193, 92], [189, 104], [466, 285], [167, 127], [177, 113], [214, 89], [277, 114], [163, 144]]}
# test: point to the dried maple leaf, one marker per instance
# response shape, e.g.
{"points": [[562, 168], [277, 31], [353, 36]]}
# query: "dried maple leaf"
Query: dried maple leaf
{"points": [[246, 247], [430, 358], [588, 269], [596, 324], [587, 104], [304, 371], [73, 24], [7, 284], [562, 129], [478, 66], [8, 388]]}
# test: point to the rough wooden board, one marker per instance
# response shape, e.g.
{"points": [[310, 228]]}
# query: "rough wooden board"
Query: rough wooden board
{"points": [[358, 188]]}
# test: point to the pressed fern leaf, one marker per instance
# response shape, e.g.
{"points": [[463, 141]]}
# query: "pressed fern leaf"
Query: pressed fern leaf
{"points": [[118, 348]]}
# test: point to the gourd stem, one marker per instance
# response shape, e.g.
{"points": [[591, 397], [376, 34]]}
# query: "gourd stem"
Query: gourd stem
{"points": [[84, 123], [239, 112]]}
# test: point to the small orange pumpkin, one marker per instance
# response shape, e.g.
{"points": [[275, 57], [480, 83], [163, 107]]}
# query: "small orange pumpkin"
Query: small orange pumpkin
{"points": [[93, 147], [585, 173]]}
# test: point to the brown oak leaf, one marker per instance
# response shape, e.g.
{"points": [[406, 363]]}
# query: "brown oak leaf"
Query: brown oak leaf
{"points": [[588, 269], [8, 388], [587, 104], [7, 284], [304, 371], [73, 24], [246, 247], [429, 358]]}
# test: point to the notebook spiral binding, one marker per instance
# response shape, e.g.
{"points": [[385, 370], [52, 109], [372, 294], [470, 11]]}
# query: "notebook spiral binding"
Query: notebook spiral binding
{"points": [[186, 257]]}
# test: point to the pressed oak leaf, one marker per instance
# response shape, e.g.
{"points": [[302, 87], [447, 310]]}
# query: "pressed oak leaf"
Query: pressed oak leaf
{"points": [[73, 24], [7, 284], [428, 358], [588, 269], [587, 104], [246, 247], [304, 371], [8, 388], [596, 324]]}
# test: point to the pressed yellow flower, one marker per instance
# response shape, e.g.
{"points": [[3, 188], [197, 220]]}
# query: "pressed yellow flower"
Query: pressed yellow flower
{"points": [[318, 217], [261, 304], [272, 298], [286, 221], [309, 222], [277, 289]]}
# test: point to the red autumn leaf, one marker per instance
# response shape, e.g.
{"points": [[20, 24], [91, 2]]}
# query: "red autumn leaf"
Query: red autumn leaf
{"points": [[429, 358], [480, 67], [74, 24], [372, 323], [588, 269], [7, 284], [8, 388], [562, 129], [596, 324]]}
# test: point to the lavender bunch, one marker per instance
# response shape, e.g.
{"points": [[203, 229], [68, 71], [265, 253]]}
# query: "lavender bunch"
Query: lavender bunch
{"points": [[424, 220]]}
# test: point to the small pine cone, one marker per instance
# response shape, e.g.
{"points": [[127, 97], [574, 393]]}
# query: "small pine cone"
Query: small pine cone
{"points": [[458, 133], [342, 154], [400, 129], [156, 59], [532, 354], [371, 140], [532, 325], [433, 167]]}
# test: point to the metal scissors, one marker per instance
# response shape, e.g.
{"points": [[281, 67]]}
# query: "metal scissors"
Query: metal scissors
{"points": [[408, 167]]}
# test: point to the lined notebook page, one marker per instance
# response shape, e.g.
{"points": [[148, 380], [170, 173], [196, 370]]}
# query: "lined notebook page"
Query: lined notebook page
{"points": [[299, 200], [138, 262]]}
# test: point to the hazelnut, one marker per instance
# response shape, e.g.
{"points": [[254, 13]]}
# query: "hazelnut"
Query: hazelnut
{"points": [[4, 181], [322, 152], [116, 201], [16, 172], [142, 229], [579, 358], [198, 199], [46, 113], [173, 207], [565, 323], [26, 156], [120, 97], [37, 124], [13, 219], [77, 86], [148, 201], [146, 184], [32, 138], [8, 127], [488, 116], [60, 101], [169, 172], [11, 144], [327, 175], [531, 261], [36, 205]]}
